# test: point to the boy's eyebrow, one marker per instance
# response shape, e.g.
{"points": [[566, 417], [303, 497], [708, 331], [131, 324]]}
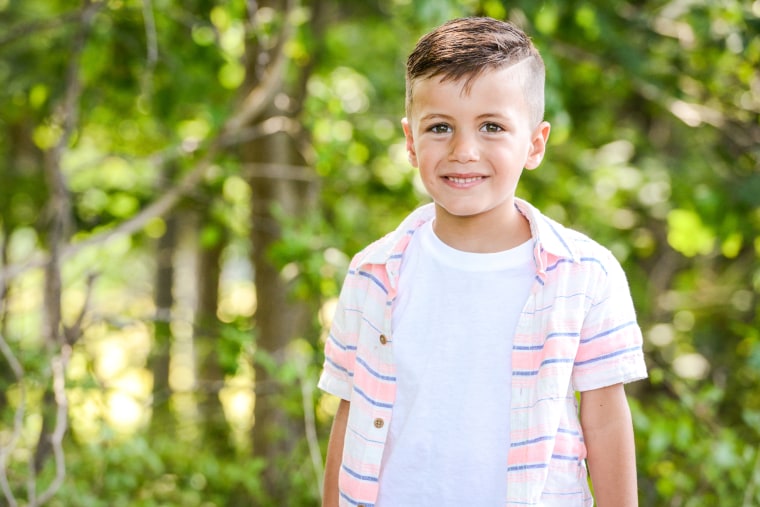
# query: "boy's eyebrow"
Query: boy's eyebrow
{"points": [[508, 118], [435, 116], [500, 116]]}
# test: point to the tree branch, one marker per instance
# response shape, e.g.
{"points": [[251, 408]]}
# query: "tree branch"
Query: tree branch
{"points": [[28, 29], [754, 481], [18, 421], [60, 206], [165, 202], [310, 426], [70, 111], [234, 132], [151, 43], [72, 334], [260, 96], [59, 365]]}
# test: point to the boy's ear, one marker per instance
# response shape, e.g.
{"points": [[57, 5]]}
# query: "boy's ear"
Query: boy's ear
{"points": [[538, 145], [410, 151]]}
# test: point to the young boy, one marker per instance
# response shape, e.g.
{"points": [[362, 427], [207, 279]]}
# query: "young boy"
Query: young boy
{"points": [[461, 338]]}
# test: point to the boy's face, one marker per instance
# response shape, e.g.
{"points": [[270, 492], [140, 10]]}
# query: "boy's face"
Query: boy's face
{"points": [[471, 146]]}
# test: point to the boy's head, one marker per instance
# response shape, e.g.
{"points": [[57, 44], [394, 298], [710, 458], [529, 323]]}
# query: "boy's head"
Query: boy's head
{"points": [[462, 49]]}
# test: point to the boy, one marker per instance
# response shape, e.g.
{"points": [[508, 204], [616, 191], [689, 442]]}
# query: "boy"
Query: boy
{"points": [[460, 339]]}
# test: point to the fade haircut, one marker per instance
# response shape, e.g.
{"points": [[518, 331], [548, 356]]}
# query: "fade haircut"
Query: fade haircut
{"points": [[463, 49]]}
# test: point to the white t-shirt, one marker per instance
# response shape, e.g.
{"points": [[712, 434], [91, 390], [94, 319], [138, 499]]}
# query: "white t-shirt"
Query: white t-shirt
{"points": [[453, 323]]}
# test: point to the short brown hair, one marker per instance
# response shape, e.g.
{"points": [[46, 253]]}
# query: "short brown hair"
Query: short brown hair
{"points": [[464, 48]]}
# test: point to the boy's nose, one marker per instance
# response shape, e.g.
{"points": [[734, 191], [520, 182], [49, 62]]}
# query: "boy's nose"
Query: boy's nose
{"points": [[464, 148]]}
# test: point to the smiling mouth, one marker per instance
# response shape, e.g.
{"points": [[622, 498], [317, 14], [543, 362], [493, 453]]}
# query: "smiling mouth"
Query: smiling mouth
{"points": [[464, 181]]}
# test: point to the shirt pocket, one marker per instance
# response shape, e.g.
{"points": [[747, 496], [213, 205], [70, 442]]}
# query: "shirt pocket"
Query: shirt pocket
{"points": [[566, 485]]}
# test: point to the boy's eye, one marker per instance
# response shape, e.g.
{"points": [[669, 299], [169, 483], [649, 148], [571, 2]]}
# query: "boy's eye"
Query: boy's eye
{"points": [[440, 128], [491, 127]]}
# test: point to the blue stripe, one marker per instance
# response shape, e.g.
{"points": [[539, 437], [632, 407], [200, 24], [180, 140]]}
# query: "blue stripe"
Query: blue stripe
{"points": [[567, 334], [556, 264], [555, 360], [374, 279], [559, 334], [339, 344], [520, 468], [559, 237], [339, 367], [374, 373], [582, 259], [365, 319], [371, 401], [608, 356], [352, 473], [355, 502], [600, 302], [525, 373], [528, 347], [541, 400], [533, 441], [550, 306], [565, 458], [552, 360], [594, 259], [538, 310], [609, 331]]}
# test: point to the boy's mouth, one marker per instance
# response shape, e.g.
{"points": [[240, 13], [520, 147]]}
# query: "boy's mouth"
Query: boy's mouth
{"points": [[464, 180]]}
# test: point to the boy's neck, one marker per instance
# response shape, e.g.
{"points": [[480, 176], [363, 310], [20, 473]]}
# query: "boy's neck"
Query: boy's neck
{"points": [[494, 231]]}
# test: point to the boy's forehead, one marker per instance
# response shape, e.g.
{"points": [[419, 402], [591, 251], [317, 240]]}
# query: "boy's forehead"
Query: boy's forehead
{"points": [[467, 81], [500, 94]]}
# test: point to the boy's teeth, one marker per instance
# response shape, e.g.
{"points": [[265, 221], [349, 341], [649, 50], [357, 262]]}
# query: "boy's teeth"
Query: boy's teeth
{"points": [[463, 180]]}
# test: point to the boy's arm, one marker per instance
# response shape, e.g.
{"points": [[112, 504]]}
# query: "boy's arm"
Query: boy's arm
{"points": [[331, 494], [608, 433]]}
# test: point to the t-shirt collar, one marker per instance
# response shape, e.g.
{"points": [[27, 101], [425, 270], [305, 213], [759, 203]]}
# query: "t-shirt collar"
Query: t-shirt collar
{"points": [[549, 237]]}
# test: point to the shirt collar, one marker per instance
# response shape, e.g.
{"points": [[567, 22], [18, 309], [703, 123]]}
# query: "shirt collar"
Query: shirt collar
{"points": [[549, 236], [550, 239], [392, 245]]}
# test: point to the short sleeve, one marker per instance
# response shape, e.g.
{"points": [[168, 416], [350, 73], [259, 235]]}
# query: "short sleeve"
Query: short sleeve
{"points": [[610, 348], [340, 346]]}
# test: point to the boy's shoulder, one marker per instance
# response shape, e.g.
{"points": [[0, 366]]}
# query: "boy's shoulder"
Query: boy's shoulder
{"points": [[392, 244], [562, 241]]}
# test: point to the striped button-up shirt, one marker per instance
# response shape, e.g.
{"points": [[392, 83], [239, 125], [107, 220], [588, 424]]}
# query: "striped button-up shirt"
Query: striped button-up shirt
{"points": [[576, 332]]}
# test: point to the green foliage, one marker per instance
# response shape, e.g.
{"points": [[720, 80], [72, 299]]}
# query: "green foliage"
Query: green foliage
{"points": [[157, 471], [655, 111]]}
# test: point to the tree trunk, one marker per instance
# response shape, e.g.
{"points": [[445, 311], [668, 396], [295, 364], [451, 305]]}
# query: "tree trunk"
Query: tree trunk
{"points": [[282, 180], [161, 419], [7, 378], [207, 330], [22, 169], [279, 318]]}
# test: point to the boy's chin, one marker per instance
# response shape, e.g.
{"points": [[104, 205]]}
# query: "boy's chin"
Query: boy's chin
{"points": [[464, 211], [458, 212]]}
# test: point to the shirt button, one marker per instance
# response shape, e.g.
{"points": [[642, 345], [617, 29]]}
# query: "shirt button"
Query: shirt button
{"points": [[379, 423], [383, 339]]}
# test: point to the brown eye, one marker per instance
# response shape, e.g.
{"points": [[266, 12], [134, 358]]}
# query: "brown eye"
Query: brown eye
{"points": [[440, 128], [491, 127]]}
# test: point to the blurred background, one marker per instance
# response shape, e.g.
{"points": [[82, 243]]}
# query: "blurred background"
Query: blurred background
{"points": [[182, 184]]}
